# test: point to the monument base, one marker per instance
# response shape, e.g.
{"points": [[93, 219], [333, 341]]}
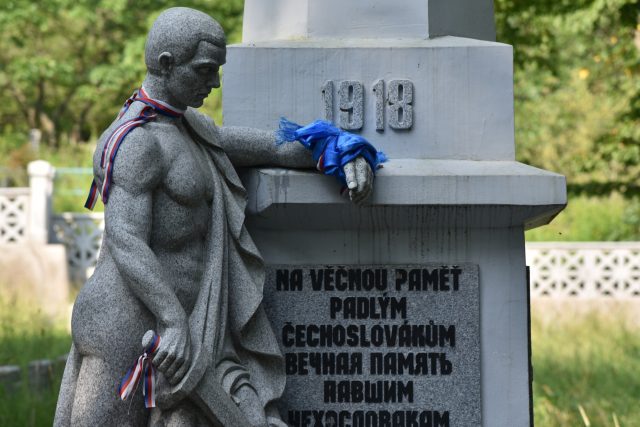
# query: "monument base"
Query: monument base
{"points": [[423, 213]]}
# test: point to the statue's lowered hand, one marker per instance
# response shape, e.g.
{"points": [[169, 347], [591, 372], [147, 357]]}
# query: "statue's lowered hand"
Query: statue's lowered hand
{"points": [[173, 358], [359, 178]]}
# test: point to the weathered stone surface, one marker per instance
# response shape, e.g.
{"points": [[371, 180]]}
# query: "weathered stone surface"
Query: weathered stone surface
{"points": [[409, 334], [166, 276], [459, 193], [418, 235], [461, 104], [451, 192]]}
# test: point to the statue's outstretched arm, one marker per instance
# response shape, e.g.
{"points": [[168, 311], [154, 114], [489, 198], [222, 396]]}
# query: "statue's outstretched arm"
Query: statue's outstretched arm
{"points": [[138, 171], [253, 147]]}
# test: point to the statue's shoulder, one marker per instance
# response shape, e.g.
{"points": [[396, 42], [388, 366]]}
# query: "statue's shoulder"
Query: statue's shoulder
{"points": [[138, 163]]}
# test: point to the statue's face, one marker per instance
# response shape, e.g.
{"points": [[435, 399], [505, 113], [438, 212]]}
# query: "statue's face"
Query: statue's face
{"points": [[191, 82]]}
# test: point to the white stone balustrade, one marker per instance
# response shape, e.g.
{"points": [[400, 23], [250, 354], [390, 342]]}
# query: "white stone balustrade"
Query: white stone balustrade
{"points": [[14, 215], [82, 235], [31, 266], [25, 212], [584, 269]]}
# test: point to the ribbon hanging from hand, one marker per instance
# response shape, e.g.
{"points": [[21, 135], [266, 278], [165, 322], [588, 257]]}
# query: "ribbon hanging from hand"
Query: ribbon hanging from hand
{"points": [[149, 113], [331, 148], [142, 369]]}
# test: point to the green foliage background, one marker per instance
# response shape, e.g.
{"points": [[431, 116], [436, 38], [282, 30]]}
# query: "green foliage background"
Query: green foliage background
{"points": [[67, 65], [577, 89]]}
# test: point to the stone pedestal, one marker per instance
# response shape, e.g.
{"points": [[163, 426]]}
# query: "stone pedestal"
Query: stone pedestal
{"points": [[452, 197]]}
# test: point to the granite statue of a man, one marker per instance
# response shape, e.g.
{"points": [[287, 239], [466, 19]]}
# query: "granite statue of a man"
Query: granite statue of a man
{"points": [[176, 256]]}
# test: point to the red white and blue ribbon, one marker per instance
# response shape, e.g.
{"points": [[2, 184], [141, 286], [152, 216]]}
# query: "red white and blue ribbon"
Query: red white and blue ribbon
{"points": [[142, 369], [107, 160]]}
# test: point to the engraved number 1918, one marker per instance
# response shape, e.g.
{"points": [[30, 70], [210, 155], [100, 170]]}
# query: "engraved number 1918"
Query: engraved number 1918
{"points": [[398, 100]]}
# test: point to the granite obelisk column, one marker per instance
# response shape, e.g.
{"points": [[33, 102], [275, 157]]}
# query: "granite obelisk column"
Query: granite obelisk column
{"points": [[413, 308]]}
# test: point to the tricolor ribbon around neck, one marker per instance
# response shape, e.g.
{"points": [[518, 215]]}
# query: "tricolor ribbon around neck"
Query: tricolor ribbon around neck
{"points": [[149, 113], [142, 369]]}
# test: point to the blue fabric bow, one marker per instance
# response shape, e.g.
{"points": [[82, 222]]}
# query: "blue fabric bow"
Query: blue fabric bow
{"points": [[331, 148]]}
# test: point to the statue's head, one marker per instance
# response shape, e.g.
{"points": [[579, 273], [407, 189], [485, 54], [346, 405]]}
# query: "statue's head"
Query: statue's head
{"points": [[185, 48]]}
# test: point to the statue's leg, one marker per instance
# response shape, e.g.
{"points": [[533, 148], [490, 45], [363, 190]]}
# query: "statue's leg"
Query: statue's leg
{"points": [[67, 389], [96, 402], [107, 328]]}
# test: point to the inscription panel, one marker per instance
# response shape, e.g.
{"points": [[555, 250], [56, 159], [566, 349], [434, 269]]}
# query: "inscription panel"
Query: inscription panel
{"points": [[378, 345]]}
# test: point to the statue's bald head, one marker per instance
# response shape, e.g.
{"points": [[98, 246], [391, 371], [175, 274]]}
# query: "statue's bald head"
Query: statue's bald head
{"points": [[178, 31]]}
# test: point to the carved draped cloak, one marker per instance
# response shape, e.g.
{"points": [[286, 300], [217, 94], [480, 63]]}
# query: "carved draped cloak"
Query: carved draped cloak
{"points": [[232, 339]]}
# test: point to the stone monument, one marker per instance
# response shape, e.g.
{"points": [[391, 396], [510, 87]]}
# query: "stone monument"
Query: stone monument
{"points": [[176, 256], [411, 310]]}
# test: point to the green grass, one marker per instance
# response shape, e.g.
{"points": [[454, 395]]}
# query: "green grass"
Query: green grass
{"points": [[26, 335], [606, 218], [586, 361], [28, 409]]}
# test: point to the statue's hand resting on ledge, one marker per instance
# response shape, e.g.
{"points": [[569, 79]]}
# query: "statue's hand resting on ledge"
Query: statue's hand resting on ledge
{"points": [[359, 180]]}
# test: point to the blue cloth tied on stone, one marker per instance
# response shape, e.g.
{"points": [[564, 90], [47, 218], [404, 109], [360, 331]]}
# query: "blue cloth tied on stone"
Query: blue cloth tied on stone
{"points": [[331, 147]]}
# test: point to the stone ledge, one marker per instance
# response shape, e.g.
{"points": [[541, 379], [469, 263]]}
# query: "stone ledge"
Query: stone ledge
{"points": [[476, 193], [411, 182]]}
